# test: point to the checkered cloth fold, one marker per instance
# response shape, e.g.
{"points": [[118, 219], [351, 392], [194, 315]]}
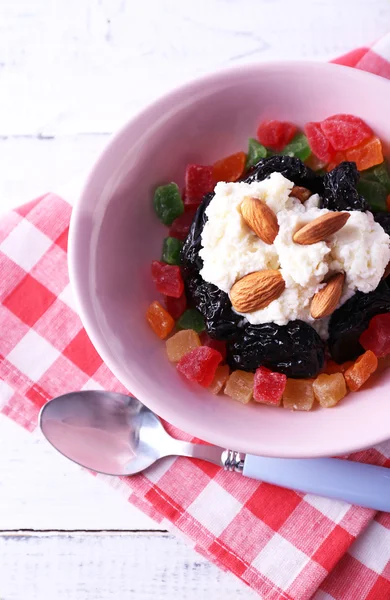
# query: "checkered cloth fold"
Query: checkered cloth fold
{"points": [[284, 545]]}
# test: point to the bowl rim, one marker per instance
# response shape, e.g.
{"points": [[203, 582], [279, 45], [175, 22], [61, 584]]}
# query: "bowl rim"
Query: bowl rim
{"points": [[177, 419]]}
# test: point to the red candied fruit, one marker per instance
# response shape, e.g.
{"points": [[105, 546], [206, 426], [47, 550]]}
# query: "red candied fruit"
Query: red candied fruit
{"points": [[268, 386], [200, 365], [319, 144], [377, 335], [338, 158], [181, 226], [168, 279], [229, 168], [176, 306], [345, 131], [198, 182], [361, 370], [276, 134], [216, 344]]}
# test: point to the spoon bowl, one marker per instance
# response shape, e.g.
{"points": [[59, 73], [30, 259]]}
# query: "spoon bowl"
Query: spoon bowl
{"points": [[107, 432]]}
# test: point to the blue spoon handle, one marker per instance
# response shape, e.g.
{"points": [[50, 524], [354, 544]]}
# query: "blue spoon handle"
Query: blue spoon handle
{"points": [[356, 483]]}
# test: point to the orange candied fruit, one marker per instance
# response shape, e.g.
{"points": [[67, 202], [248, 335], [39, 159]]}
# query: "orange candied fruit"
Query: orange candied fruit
{"points": [[230, 168], [181, 343], [388, 202], [240, 386], [333, 367], [220, 378], [159, 320], [366, 155], [298, 394], [361, 370], [329, 389]]}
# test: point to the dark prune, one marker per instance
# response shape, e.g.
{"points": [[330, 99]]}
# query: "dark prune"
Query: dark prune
{"points": [[189, 258], [340, 191], [294, 349], [383, 218], [221, 321], [289, 166], [352, 318]]}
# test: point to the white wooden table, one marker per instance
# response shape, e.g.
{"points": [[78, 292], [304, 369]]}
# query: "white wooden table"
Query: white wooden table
{"points": [[71, 71]]}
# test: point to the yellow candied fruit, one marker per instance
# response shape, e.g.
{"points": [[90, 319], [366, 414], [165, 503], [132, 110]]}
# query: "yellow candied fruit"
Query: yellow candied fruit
{"points": [[329, 389], [240, 386], [298, 394], [181, 343]]}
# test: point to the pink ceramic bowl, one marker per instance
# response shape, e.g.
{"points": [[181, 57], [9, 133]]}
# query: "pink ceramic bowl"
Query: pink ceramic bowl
{"points": [[115, 235]]}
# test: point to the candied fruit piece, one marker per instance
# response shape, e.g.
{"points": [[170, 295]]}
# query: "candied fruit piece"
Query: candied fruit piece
{"points": [[298, 147], [338, 158], [220, 378], [216, 344], [176, 306], [181, 226], [181, 343], [298, 394], [168, 203], [366, 155], [239, 386], [275, 134], [198, 182], [160, 320], [229, 168], [377, 335], [319, 144], [200, 365], [380, 174], [191, 319], [168, 279], [255, 152], [268, 386], [374, 193], [329, 389], [332, 367], [171, 251], [361, 370], [315, 163], [345, 131]]}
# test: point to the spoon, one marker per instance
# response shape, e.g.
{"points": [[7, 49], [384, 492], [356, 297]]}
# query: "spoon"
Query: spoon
{"points": [[117, 435]]}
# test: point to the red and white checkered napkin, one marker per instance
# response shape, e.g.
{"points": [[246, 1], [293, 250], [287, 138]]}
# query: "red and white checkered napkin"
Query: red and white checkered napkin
{"points": [[283, 544]]}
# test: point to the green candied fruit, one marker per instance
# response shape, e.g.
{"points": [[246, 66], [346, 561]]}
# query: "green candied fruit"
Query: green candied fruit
{"points": [[171, 251], [191, 319], [256, 151], [298, 147], [168, 203], [375, 194], [380, 174]]}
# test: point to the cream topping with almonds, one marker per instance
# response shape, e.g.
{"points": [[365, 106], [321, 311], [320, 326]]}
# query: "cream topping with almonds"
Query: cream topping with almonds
{"points": [[231, 249]]}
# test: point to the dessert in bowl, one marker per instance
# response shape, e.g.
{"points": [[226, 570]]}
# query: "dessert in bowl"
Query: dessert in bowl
{"points": [[115, 236]]}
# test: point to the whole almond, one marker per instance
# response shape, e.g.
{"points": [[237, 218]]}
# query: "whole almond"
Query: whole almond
{"points": [[301, 193], [260, 218], [256, 290], [326, 300], [321, 228]]}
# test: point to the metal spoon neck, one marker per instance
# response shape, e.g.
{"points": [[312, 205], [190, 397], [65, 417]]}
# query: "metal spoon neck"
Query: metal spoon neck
{"points": [[229, 460]]}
